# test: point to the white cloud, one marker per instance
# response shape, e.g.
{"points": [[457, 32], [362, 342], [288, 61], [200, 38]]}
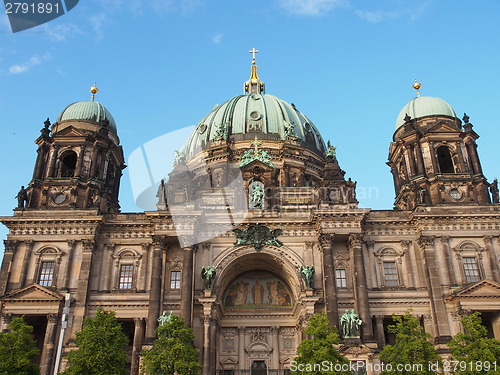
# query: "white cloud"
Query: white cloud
{"points": [[62, 31], [27, 65], [217, 38], [311, 7], [97, 21], [376, 17]]}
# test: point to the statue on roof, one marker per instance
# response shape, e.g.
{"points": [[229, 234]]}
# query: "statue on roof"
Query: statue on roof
{"points": [[494, 191], [22, 197], [330, 152]]}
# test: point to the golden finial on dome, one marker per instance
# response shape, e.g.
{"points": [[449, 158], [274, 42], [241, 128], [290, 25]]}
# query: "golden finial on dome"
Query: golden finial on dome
{"points": [[94, 90], [254, 85], [417, 86]]}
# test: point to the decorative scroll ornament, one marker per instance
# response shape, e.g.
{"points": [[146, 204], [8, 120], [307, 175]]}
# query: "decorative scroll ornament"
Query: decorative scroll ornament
{"points": [[257, 235], [256, 154]]}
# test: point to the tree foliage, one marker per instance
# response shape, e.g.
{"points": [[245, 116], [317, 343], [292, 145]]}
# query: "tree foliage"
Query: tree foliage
{"points": [[474, 350], [101, 344], [173, 351], [320, 349], [18, 350], [413, 350]]}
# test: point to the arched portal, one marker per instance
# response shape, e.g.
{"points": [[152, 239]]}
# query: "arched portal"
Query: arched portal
{"points": [[260, 308]]}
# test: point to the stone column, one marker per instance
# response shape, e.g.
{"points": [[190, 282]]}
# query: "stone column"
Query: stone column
{"points": [[52, 165], [107, 264], [6, 320], [411, 160], [28, 247], [438, 308], [420, 159], [379, 321], [137, 345], [326, 241], [88, 247], [160, 244], [214, 323], [370, 245], [445, 243], [488, 243], [461, 161], [95, 156], [432, 151], [405, 245], [144, 266], [10, 250], [206, 345], [187, 284], [48, 344], [37, 173], [275, 360], [496, 326], [69, 264], [241, 348], [361, 287]]}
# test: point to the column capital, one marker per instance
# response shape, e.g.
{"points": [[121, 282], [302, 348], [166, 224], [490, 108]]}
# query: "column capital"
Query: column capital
{"points": [[29, 244], [326, 240], [71, 244], [405, 245], [53, 318], [138, 321], [160, 241], [487, 239], [355, 240], [426, 241], [10, 246], [145, 246], [370, 244], [110, 247], [7, 318], [444, 239], [379, 319], [88, 246]]}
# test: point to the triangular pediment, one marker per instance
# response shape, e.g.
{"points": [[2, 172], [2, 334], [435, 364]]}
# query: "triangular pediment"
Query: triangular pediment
{"points": [[442, 127], [229, 361], [256, 163], [32, 293], [70, 131], [482, 289]]}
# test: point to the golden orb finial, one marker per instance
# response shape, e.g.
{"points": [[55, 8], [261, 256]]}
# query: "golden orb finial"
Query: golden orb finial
{"points": [[94, 90], [417, 86]]}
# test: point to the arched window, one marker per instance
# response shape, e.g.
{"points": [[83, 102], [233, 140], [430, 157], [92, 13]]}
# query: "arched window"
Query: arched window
{"points": [[444, 160], [68, 164]]}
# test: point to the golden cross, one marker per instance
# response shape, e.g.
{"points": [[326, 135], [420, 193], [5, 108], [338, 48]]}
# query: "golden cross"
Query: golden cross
{"points": [[253, 52], [256, 143]]}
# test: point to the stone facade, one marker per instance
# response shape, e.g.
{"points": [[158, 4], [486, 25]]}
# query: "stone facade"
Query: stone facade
{"points": [[437, 253]]}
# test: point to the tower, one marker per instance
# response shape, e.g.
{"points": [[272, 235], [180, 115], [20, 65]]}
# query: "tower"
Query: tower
{"points": [[79, 161], [433, 158]]}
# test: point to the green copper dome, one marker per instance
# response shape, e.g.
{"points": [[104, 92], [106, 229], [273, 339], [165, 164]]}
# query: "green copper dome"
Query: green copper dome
{"points": [[88, 110], [424, 106], [245, 117]]}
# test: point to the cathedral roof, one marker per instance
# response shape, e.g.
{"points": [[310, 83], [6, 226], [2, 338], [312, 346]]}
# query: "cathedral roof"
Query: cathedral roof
{"points": [[422, 106]]}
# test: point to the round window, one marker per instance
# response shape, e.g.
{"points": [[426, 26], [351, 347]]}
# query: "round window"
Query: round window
{"points": [[455, 194], [59, 198], [308, 127], [255, 115], [202, 128]]}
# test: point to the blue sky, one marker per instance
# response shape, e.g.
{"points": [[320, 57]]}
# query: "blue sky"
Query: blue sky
{"points": [[162, 65]]}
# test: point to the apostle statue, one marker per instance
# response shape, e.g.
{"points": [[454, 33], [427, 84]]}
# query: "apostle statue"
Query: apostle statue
{"points": [[494, 191], [307, 273], [257, 195], [208, 274], [22, 197]]}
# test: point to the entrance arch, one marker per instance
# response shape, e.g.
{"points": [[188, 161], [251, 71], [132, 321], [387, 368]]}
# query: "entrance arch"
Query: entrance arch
{"points": [[259, 299]]}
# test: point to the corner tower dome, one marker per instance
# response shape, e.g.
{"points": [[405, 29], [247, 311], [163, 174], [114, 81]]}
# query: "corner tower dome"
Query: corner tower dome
{"points": [[244, 117], [89, 110], [423, 106]]}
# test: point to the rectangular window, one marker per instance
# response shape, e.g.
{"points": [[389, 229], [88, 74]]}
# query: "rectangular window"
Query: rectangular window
{"points": [[340, 276], [471, 269], [175, 280], [47, 270], [126, 276], [390, 274]]}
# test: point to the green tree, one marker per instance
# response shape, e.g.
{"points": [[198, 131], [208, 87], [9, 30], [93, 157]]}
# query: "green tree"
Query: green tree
{"points": [[319, 350], [101, 344], [18, 350], [173, 351], [413, 352], [474, 350]]}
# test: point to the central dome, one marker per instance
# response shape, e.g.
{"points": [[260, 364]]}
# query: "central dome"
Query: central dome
{"points": [[245, 117]]}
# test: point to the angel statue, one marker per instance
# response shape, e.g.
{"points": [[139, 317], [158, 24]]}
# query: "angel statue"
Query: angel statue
{"points": [[208, 274], [307, 273]]}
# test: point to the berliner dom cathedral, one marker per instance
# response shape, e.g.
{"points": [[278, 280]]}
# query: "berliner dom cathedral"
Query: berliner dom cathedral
{"points": [[255, 230]]}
